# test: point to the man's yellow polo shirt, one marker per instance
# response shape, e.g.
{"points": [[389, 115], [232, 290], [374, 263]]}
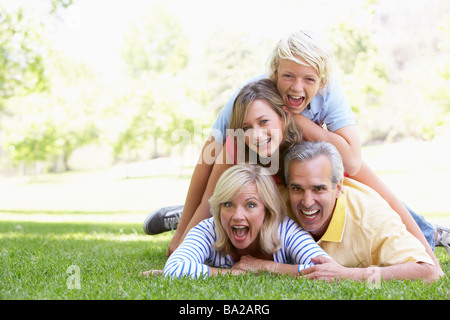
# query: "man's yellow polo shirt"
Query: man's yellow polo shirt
{"points": [[364, 231]]}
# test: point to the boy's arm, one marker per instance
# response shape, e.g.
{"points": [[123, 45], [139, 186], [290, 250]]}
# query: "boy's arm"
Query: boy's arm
{"points": [[345, 139], [369, 178]]}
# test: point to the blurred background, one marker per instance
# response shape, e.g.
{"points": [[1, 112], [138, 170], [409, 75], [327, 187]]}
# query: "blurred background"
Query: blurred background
{"points": [[93, 93]]}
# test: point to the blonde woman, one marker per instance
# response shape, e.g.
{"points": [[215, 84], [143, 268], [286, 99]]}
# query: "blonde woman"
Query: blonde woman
{"points": [[249, 219]]}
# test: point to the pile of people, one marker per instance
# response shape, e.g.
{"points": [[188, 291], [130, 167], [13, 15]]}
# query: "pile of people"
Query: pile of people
{"points": [[287, 190]]}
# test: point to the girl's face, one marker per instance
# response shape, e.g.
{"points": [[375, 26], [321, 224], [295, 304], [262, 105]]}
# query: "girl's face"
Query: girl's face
{"points": [[242, 219], [263, 128]]}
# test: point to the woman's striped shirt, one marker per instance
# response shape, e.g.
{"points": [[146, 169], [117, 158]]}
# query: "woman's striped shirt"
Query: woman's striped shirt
{"points": [[196, 254]]}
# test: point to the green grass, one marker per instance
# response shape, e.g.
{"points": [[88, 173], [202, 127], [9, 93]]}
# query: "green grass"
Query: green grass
{"points": [[93, 220], [35, 257]]}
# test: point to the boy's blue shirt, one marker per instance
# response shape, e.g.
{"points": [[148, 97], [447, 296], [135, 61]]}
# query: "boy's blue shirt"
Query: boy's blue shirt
{"points": [[331, 110]]}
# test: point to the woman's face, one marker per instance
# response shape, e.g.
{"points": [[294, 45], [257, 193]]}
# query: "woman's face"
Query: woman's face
{"points": [[263, 128], [242, 219]]}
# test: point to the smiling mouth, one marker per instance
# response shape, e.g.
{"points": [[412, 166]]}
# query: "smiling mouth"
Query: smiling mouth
{"points": [[240, 232], [263, 143], [310, 214]]}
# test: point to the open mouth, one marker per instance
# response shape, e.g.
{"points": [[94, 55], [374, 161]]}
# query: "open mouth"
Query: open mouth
{"points": [[310, 214], [295, 101], [240, 232]]}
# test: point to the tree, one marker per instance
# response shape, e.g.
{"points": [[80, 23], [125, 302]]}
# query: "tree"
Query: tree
{"points": [[156, 50], [230, 58], [156, 44], [21, 59], [359, 63], [52, 124]]}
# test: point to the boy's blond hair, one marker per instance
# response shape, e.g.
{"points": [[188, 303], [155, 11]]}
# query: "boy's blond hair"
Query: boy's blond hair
{"points": [[307, 48]]}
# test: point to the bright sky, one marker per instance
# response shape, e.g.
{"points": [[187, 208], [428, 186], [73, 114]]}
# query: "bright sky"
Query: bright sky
{"points": [[93, 29]]}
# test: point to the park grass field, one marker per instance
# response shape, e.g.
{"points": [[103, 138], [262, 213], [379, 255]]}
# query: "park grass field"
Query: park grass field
{"points": [[38, 260], [78, 236]]}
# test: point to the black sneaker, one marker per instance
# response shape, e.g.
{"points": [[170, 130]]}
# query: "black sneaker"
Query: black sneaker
{"points": [[443, 239], [163, 219]]}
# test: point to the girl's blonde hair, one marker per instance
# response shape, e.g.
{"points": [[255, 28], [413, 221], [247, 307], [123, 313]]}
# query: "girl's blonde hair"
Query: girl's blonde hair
{"points": [[307, 46], [230, 185]]}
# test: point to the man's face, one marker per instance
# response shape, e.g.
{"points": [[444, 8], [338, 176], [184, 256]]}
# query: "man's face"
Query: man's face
{"points": [[297, 84], [312, 195]]}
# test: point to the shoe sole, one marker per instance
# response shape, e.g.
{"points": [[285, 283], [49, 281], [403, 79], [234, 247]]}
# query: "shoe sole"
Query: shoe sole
{"points": [[162, 211]]}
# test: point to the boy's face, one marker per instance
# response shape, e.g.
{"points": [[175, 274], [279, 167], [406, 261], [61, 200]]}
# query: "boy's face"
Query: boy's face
{"points": [[297, 84]]}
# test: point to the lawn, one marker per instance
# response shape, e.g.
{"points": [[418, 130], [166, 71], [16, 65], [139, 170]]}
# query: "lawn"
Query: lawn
{"points": [[38, 261], [78, 236]]}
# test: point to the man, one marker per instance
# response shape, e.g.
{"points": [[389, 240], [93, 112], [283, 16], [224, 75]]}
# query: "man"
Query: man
{"points": [[350, 221]]}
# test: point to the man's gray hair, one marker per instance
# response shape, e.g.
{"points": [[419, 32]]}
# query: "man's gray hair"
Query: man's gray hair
{"points": [[309, 150]]}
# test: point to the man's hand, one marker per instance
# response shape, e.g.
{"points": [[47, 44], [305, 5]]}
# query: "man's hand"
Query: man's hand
{"points": [[325, 269]]}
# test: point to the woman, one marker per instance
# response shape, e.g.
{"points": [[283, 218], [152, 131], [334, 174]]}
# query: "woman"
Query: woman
{"points": [[249, 219]]}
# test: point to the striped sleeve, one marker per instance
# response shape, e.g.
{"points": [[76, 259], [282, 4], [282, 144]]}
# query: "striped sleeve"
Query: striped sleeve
{"points": [[298, 247], [189, 258]]}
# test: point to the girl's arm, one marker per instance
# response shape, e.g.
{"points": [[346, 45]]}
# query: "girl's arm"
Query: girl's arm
{"points": [[345, 139], [196, 189], [199, 210]]}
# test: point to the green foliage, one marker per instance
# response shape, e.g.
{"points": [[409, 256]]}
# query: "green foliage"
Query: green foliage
{"points": [[36, 144], [392, 63], [51, 124], [229, 60], [363, 72], [21, 61], [157, 43], [57, 4]]}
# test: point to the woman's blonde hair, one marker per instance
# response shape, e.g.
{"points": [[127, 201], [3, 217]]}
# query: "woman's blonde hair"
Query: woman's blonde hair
{"points": [[230, 185], [307, 46]]}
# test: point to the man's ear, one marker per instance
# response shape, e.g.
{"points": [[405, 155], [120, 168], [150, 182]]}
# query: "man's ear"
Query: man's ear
{"points": [[339, 188]]}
